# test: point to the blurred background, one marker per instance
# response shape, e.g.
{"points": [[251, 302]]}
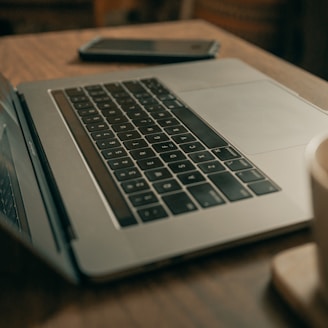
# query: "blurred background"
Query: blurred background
{"points": [[295, 30]]}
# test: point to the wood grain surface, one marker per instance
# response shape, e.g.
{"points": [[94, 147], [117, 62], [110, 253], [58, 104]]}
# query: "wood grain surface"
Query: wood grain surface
{"points": [[228, 289]]}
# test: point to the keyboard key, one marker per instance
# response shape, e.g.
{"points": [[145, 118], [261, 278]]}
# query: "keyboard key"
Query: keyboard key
{"points": [[182, 166], [250, 175], [101, 99], [129, 135], [87, 112], [168, 122], [130, 107], [157, 137], [124, 99], [166, 186], [122, 127], [125, 220], [226, 153], [173, 156], [134, 87], [201, 156], [179, 203], [135, 185], [92, 119], [142, 199], [192, 147], [263, 187], [107, 134], [161, 115], [150, 163], [117, 119], [108, 106], [114, 87], [93, 87], [114, 153], [83, 105], [120, 163], [176, 130], [133, 115], [97, 127], [75, 92], [152, 213], [120, 94], [154, 108], [152, 83], [135, 144], [112, 112], [206, 195], [142, 95], [158, 174], [150, 129], [76, 99], [230, 186], [148, 101], [191, 177], [142, 153], [166, 97], [171, 104], [164, 146], [145, 121], [97, 93], [127, 174], [183, 138], [211, 167], [108, 143], [238, 164]]}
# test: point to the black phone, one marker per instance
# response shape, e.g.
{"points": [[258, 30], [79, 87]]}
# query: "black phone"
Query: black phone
{"points": [[148, 50]]}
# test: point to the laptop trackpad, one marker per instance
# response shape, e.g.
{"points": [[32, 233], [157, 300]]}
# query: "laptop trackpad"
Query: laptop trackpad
{"points": [[258, 116]]}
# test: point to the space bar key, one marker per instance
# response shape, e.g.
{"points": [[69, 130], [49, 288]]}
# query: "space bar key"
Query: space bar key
{"points": [[206, 134]]}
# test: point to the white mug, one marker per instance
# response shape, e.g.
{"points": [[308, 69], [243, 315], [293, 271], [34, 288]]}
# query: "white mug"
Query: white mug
{"points": [[317, 161]]}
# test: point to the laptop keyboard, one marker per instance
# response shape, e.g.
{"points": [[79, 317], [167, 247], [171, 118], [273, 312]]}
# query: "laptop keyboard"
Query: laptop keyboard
{"points": [[152, 156]]}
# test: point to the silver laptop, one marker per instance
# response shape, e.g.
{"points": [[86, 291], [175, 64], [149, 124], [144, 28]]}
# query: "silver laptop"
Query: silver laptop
{"points": [[109, 175]]}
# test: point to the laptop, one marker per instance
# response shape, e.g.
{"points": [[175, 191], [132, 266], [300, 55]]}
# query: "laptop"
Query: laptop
{"points": [[109, 175]]}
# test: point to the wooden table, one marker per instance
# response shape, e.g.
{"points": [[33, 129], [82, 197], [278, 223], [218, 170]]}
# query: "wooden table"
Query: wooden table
{"points": [[229, 289]]}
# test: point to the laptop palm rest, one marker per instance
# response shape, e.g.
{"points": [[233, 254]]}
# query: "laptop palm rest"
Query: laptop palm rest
{"points": [[258, 116]]}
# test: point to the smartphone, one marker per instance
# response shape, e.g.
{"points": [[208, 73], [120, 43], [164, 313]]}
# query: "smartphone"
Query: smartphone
{"points": [[148, 50]]}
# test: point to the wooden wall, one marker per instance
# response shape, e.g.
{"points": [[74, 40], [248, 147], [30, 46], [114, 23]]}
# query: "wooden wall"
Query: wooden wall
{"points": [[28, 16]]}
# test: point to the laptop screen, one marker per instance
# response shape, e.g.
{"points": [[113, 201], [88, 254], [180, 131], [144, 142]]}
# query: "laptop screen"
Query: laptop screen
{"points": [[11, 204]]}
